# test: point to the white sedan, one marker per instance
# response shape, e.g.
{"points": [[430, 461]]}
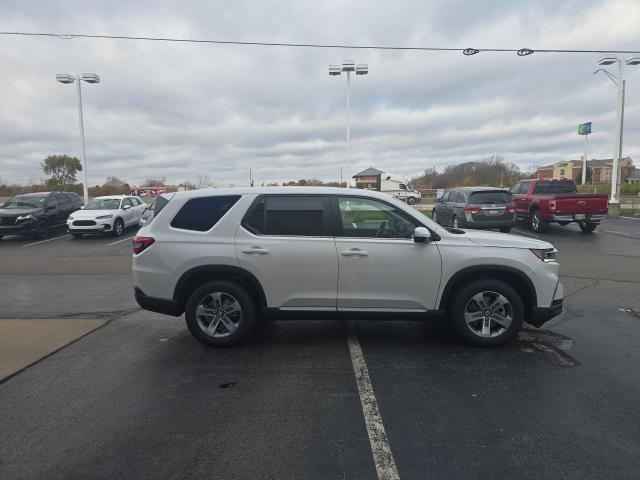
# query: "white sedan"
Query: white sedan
{"points": [[108, 214]]}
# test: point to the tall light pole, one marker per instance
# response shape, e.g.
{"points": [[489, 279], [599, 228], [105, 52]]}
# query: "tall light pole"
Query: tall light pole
{"points": [[78, 79], [617, 156], [349, 66]]}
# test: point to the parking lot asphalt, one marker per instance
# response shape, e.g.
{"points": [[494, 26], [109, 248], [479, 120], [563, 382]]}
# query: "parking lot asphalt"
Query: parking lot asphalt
{"points": [[139, 398]]}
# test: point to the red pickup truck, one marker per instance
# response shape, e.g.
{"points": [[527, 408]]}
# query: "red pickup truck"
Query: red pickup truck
{"points": [[540, 202]]}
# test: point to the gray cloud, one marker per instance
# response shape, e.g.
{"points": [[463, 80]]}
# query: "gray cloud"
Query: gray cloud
{"points": [[182, 111]]}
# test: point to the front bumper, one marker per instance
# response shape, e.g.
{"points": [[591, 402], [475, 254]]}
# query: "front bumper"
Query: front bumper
{"points": [[158, 305], [541, 315], [100, 226], [22, 228]]}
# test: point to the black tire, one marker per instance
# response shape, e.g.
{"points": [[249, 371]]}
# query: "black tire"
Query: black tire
{"points": [[1, 237], [587, 227], [505, 229], [537, 223], [246, 322], [42, 229], [76, 235], [459, 304], [434, 216], [454, 222], [118, 227], [411, 200]]}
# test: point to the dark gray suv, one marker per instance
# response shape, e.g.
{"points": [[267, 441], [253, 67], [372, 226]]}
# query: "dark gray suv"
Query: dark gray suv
{"points": [[476, 207]]}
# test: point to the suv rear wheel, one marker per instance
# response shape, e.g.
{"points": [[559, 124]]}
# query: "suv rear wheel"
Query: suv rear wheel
{"points": [[487, 313], [220, 314]]}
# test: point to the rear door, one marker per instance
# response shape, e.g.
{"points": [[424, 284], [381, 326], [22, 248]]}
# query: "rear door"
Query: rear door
{"points": [[286, 242], [447, 207], [381, 268], [65, 207], [519, 196]]}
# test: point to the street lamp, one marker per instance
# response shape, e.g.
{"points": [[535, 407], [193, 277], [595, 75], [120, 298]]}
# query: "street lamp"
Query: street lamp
{"points": [[78, 79], [617, 156], [360, 69]]}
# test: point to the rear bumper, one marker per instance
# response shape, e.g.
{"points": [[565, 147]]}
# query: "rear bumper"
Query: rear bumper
{"points": [[541, 315], [589, 217], [158, 305]]}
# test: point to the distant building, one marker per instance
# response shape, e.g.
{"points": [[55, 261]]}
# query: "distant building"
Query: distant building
{"points": [[600, 170], [368, 179], [634, 177]]}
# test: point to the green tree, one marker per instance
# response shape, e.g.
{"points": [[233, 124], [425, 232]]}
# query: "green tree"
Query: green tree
{"points": [[62, 169]]}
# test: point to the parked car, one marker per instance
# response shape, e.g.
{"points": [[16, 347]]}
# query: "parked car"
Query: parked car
{"points": [[108, 214], [475, 207], [157, 205], [230, 257], [36, 214], [541, 202]]}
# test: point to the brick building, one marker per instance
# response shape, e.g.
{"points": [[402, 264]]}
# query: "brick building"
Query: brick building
{"points": [[600, 170]]}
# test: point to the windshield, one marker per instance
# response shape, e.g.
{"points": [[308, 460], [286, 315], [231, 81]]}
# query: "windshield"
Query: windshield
{"points": [[493, 198], [25, 201], [555, 187], [103, 204]]}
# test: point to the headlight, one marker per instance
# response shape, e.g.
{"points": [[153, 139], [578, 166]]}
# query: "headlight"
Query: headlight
{"points": [[547, 255], [104, 217], [22, 218], [69, 218]]}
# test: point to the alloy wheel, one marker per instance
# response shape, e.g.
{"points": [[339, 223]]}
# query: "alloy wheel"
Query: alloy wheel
{"points": [[219, 314], [488, 314]]}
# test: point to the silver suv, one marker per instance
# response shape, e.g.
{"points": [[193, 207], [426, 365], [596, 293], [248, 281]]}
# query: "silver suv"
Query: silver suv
{"points": [[228, 258]]}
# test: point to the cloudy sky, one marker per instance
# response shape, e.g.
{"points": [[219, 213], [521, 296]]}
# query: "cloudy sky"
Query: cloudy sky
{"points": [[183, 111]]}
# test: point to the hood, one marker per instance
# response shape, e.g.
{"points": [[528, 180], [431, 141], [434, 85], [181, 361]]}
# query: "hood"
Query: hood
{"points": [[14, 212], [505, 240], [91, 214]]}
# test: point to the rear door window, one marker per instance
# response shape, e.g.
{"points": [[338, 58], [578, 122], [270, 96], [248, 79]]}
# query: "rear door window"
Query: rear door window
{"points": [[289, 215], [491, 198], [201, 214]]}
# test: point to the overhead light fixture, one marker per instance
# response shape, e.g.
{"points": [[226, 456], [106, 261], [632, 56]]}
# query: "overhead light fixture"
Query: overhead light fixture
{"points": [[470, 51], [607, 60], [335, 69], [348, 66], [65, 78], [362, 69], [91, 77], [633, 61]]}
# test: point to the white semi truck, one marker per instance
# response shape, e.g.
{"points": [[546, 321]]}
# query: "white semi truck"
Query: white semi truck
{"points": [[394, 185]]}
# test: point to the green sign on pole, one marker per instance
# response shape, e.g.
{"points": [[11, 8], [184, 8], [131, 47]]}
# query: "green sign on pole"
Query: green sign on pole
{"points": [[584, 128]]}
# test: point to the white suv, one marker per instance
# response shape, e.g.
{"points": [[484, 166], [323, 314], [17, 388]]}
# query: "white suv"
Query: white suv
{"points": [[107, 214], [229, 257]]}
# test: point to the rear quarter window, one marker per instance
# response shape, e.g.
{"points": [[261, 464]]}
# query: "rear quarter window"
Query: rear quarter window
{"points": [[201, 214], [555, 187]]}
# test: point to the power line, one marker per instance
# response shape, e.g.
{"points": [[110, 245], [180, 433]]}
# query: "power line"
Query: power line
{"points": [[466, 51]]}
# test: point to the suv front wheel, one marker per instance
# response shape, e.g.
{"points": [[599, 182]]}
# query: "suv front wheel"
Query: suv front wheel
{"points": [[487, 313], [220, 314]]}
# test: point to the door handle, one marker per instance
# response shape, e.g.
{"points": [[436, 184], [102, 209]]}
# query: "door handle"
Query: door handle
{"points": [[255, 250], [355, 252]]}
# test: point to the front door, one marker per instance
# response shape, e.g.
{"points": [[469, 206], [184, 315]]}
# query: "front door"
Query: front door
{"points": [[286, 242], [381, 268]]}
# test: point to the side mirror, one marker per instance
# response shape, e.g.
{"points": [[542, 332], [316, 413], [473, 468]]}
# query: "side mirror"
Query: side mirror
{"points": [[421, 235], [82, 207], [126, 207]]}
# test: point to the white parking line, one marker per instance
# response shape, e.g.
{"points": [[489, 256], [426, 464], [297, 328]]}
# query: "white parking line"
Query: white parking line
{"points": [[630, 218], [525, 233], [123, 240], [47, 240], [382, 456], [617, 233]]}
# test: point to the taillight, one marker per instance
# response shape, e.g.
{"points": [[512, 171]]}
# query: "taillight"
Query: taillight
{"points": [[511, 208], [472, 210], [140, 244], [552, 204]]}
